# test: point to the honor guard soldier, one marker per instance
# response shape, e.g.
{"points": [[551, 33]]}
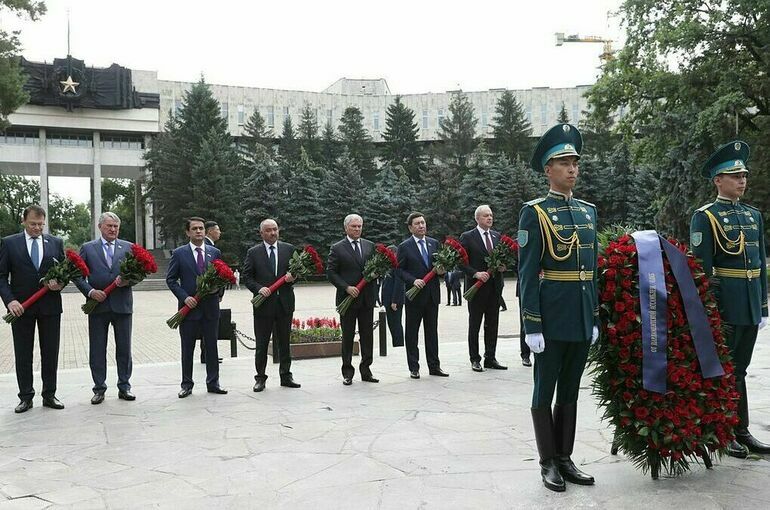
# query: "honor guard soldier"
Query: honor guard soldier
{"points": [[557, 264], [727, 235]]}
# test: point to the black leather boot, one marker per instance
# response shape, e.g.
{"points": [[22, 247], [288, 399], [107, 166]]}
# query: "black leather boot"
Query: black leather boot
{"points": [[742, 434], [564, 424], [546, 449]]}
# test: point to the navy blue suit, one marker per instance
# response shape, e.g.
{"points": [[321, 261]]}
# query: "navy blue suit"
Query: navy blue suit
{"points": [[424, 307], [18, 281], [393, 293], [203, 320], [117, 310]]}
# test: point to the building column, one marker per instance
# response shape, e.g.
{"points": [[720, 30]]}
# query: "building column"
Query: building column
{"points": [[96, 185], [138, 216], [43, 159]]}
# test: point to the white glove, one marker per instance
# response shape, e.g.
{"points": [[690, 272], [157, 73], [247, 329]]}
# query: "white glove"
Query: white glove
{"points": [[536, 342], [762, 322], [594, 335]]}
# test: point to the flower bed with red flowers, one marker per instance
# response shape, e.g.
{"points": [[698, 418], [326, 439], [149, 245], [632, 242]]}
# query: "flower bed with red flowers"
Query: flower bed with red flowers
{"points": [[315, 329], [695, 417]]}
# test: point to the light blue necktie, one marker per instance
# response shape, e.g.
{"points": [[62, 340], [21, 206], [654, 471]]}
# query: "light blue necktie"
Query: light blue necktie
{"points": [[424, 253], [110, 254], [34, 254]]}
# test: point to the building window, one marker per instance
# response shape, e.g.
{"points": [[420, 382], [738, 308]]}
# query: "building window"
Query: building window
{"points": [[122, 142], [376, 121], [177, 107], [425, 119], [225, 110], [271, 116], [440, 117], [69, 140], [329, 115], [18, 137], [286, 113], [575, 117], [241, 115], [544, 113], [484, 119]]}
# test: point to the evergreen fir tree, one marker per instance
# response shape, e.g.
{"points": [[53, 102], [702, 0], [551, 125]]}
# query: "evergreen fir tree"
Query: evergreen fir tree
{"points": [[263, 196], [331, 148], [307, 133], [288, 148], [302, 213], [356, 140], [401, 133], [563, 118], [511, 130], [440, 199], [389, 202], [341, 194], [478, 185], [458, 132]]}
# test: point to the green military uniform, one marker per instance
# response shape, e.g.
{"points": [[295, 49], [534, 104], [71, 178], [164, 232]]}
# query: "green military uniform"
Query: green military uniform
{"points": [[727, 235], [557, 276]]}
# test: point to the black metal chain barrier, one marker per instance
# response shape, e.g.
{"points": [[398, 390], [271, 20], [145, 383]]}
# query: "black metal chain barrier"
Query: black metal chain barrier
{"points": [[240, 334]]}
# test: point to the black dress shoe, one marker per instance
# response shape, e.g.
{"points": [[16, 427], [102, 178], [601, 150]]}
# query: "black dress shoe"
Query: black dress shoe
{"points": [[370, 379], [217, 390], [184, 392], [23, 407], [126, 395], [737, 450], [569, 471], [289, 383], [552, 479], [347, 381], [476, 366], [526, 362], [415, 374], [751, 443], [493, 364], [53, 403], [438, 372], [259, 386], [98, 398]]}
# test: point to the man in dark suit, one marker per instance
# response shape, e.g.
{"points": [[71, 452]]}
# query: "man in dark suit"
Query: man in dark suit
{"points": [[455, 284], [103, 257], [213, 233], [187, 263], [263, 265], [479, 243], [344, 269], [25, 258], [392, 298], [415, 256]]}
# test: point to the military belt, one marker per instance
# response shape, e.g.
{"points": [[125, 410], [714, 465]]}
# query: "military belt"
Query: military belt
{"points": [[726, 272], [567, 276]]}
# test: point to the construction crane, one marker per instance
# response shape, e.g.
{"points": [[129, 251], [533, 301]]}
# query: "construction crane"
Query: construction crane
{"points": [[607, 54]]}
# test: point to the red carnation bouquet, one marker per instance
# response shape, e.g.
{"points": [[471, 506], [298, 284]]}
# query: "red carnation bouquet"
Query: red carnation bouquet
{"points": [[504, 255], [68, 269], [694, 419], [301, 263], [134, 268], [217, 276], [377, 266], [446, 258]]}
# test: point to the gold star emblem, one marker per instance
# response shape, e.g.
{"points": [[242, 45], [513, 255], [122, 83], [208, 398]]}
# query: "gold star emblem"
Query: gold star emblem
{"points": [[69, 85]]}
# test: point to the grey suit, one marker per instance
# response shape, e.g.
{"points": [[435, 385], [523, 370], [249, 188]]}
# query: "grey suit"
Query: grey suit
{"points": [[117, 310]]}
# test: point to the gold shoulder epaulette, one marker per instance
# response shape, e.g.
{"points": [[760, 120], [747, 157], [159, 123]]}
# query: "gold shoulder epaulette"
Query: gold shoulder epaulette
{"points": [[535, 201], [702, 209], [586, 202]]}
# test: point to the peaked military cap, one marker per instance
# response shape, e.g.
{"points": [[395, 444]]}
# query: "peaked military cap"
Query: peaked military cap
{"points": [[730, 158], [559, 141]]}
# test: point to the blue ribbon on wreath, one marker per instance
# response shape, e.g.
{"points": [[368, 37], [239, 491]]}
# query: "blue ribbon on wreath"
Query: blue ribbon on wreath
{"points": [[653, 299]]}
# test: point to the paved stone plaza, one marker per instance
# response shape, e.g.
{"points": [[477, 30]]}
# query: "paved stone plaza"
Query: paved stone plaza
{"points": [[461, 442]]}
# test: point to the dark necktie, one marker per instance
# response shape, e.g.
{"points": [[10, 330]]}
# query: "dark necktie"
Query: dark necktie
{"points": [[424, 253], [200, 262], [488, 242], [110, 254], [34, 253], [357, 251], [273, 260]]}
